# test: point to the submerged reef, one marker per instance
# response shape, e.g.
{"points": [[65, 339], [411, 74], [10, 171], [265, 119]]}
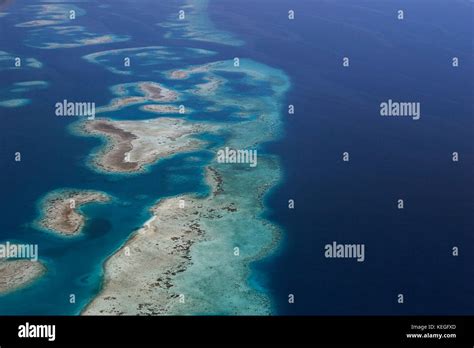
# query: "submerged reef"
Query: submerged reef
{"points": [[183, 260], [52, 26]]}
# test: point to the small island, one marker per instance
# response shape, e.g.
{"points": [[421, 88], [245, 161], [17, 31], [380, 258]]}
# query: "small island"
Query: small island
{"points": [[139, 93], [162, 109], [61, 210], [178, 75], [131, 145]]}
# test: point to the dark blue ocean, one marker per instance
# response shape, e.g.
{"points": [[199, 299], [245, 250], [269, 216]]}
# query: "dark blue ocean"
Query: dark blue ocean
{"points": [[408, 251]]}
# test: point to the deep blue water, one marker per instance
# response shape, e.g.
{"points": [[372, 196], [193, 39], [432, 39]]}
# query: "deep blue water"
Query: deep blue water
{"points": [[337, 110]]}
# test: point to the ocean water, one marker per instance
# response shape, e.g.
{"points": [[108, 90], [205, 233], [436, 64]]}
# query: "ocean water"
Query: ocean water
{"points": [[337, 109]]}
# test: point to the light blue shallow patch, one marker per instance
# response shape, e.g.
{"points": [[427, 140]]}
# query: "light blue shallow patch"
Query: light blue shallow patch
{"points": [[14, 103], [31, 85], [197, 25], [153, 58], [51, 27], [49, 14], [8, 60]]}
